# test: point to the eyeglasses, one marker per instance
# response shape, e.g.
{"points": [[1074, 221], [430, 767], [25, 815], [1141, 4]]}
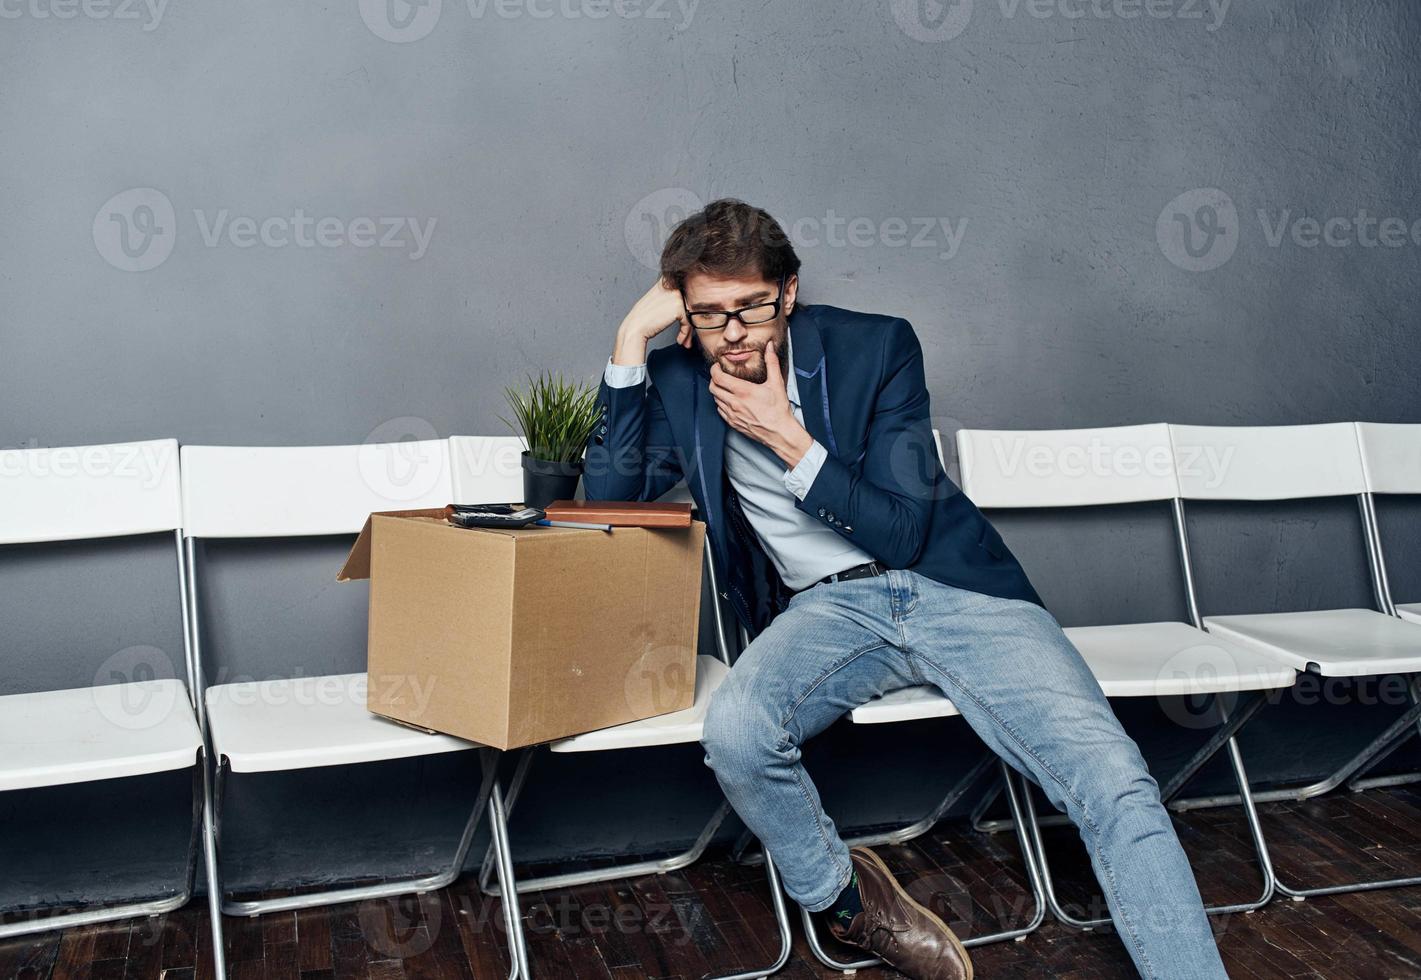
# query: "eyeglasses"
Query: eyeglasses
{"points": [[748, 315]]}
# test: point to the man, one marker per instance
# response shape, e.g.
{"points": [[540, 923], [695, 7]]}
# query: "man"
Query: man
{"points": [[860, 568]]}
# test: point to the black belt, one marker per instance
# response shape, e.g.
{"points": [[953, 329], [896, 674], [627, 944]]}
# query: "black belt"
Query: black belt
{"points": [[867, 570]]}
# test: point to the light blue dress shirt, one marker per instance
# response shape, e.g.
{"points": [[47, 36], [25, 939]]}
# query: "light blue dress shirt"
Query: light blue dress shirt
{"points": [[804, 550]]}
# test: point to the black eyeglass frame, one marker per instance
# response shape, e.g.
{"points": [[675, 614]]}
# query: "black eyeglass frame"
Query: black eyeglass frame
{"points": [[776, 303]]}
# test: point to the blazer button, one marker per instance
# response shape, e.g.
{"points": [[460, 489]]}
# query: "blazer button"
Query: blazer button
{"points": [[848, 530], [829, 517], [821, 511]]}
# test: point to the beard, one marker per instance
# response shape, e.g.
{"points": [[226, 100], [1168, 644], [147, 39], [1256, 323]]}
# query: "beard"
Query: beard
{"points": [[755, 369]]}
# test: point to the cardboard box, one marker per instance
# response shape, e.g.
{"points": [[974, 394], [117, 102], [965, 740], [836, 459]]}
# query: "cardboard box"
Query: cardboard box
{"points": [[511, 638]]}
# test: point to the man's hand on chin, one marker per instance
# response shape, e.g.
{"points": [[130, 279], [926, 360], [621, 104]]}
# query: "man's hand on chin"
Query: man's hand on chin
{"points": [[761, 411]]}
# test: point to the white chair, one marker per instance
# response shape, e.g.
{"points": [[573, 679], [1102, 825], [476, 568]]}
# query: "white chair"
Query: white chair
{"points": [[288, 724], [134, 728], [1391, 464], [1112, 466], [1294, 463], [487, 474]]}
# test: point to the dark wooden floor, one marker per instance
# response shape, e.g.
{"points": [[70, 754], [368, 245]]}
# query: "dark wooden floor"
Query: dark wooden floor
{"points": [[715, 916]]}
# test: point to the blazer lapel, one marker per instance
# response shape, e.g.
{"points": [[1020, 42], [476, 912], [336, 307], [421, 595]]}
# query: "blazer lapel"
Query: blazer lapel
{"points": [[708, 452], [812, 377]]}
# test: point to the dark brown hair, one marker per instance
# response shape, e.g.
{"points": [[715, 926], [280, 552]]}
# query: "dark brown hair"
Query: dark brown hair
{"points": [[728, 238]]}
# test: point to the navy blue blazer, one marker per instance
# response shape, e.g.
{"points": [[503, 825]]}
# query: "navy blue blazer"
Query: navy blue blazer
{"points": [[882, 486]]}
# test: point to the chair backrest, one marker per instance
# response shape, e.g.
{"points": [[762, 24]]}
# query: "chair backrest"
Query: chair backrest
{"points": [[285, 491], [1271, 462], [487, 469], [1391, 456], [76, 492], [1066, 467]]}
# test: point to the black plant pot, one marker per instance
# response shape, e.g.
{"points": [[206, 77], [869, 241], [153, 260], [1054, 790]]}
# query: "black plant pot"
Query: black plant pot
{"points": [[546, 480]]}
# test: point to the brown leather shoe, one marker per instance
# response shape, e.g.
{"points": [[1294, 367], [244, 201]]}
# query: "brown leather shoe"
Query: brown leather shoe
{"points": [[900, 931]]}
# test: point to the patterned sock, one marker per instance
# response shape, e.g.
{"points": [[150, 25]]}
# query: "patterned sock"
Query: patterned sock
{"points": [[846, 906]]}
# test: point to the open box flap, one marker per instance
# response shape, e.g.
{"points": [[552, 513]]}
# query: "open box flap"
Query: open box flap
{"points": [[357, 563]]}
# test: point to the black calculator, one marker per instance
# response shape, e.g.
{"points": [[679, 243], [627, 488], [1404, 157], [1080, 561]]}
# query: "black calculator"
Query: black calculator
{"points": [[495, 515]]}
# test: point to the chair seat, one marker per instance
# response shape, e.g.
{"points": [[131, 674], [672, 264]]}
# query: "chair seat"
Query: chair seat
{"points": [[1341, 642], [905, 704], [1411, 612], [1158, 659], [53, 738], [305, 722], [674, 728]]}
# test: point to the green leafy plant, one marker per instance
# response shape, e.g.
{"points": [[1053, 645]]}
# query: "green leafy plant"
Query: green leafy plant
{"points": [[555, 416]]}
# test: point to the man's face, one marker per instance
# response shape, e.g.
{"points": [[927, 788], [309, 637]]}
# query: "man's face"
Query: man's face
{"points": [[739, 348]]}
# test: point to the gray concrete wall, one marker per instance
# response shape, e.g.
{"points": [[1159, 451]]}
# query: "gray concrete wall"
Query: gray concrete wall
{"points": [[271, 223]]}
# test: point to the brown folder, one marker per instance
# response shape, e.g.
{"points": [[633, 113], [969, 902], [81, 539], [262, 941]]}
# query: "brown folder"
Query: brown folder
{"points": [[621, 513]]}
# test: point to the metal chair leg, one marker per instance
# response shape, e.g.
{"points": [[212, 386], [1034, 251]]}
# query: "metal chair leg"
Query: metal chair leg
{"points": [[512, 917], [1033, 876], [572, 879], [128, 910], [356, 893], [1400, 729], [777, 903], [1270, 882]]}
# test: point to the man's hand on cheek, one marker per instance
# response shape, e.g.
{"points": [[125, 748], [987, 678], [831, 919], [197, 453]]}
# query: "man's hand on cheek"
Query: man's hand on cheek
{"points": [[761, 411]]}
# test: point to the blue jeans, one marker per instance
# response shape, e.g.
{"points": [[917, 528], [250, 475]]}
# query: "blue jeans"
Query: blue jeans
{"points": [[1023, 688]]}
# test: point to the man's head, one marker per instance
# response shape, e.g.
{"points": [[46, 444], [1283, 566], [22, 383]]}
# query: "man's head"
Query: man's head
{"points": [[730, 257]]}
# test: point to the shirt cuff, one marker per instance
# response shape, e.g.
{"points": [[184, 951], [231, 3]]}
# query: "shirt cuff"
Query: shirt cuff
{"points": [[623, 375], [801, 478]]}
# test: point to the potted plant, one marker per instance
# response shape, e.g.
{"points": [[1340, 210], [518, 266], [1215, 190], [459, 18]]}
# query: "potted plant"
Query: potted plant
{"points": [[555, 417]]}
